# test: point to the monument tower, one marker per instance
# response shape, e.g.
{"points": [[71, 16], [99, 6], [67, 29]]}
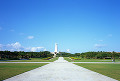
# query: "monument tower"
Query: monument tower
{"points": [[56, 50]]}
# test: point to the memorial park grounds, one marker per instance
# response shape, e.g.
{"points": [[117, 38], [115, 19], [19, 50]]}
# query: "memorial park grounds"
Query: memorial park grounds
{"points": [[111, 69]]}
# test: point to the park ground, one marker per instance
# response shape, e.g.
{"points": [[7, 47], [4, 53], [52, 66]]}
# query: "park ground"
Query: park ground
{"points": [[8, 70]]}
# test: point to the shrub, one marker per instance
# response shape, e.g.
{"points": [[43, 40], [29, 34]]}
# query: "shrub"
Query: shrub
{"points": [[72, 57], [47, 58], [75, 58]]}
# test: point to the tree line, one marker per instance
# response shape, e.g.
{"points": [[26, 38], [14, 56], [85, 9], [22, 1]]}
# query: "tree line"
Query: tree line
{"points": [[16, 55], [92, 55], [8, 55]]}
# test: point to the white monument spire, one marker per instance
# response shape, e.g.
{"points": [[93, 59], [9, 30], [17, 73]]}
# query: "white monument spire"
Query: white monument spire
{"points": [[56, 48]]}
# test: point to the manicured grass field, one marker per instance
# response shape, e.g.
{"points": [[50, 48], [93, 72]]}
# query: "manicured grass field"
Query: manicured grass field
{"points": [[68, 59], [32, 60], [8, 70], [110, 70], [96, 60], [91, 60]]}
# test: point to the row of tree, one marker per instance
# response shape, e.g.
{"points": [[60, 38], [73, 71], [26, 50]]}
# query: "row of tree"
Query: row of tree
{"points": [[92, 55], [100, 55], [43, 54], [4, 55]]}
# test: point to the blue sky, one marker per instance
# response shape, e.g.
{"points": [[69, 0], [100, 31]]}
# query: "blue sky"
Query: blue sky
{"points": [[76, 25]]}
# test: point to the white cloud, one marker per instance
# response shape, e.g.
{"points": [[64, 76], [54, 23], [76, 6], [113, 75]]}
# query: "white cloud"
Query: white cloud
{"points": [[99, 45], [12, 50], [45, 49], [18, 47], [68, 50], [35, 49], [15, 46], [30, 37]]}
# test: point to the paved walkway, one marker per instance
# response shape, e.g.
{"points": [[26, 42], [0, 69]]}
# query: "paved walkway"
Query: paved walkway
{"points": [[60, 70]]}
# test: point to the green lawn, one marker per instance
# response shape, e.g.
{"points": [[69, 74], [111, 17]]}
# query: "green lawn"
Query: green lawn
{"points": [[32, 60], [111, 70], [66, 58], [91, 60], [8, 70]]}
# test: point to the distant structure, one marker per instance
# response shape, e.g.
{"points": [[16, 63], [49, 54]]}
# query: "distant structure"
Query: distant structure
{"points": [[56, 50]]}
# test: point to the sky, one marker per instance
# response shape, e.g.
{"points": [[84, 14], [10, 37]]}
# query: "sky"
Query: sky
{"points": [[76, 25]]}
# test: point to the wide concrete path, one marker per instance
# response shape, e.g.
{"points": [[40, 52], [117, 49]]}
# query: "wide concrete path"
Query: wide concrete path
{"points": [[60, 70]]}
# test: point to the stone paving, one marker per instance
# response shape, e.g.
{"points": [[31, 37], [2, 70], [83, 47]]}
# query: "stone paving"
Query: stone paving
{"points": [[60, 70]]}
